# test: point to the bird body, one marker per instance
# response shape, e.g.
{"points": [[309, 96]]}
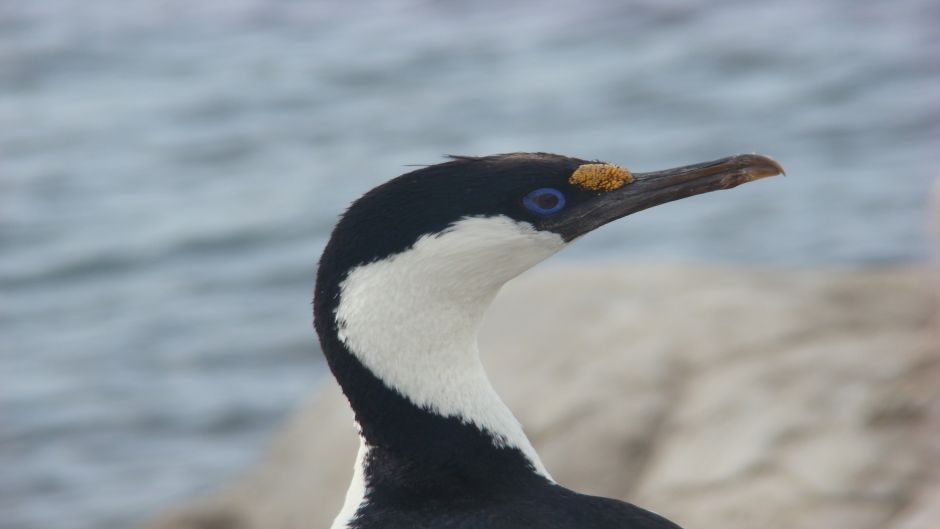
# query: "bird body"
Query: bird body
{"points": [[402, 287]]}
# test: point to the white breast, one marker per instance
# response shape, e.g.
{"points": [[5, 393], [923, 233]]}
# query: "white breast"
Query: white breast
{"points": [[356, 493]]}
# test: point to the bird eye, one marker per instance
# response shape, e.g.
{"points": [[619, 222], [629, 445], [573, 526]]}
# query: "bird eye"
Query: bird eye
{"points": [[544, 201]]}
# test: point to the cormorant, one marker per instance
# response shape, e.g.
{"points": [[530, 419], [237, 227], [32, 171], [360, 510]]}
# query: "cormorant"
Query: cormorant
{"points": [[401, 288]]}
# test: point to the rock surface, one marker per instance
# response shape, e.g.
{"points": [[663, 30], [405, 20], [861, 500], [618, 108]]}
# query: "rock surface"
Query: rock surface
{"points": [[718, 397]]}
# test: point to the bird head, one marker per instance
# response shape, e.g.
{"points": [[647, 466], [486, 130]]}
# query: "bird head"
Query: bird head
{"points": [[413, 264], [490, 218]]}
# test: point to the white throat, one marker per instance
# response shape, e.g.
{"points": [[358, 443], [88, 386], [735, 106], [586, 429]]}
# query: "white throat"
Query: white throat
{"points": [[412, 318]]}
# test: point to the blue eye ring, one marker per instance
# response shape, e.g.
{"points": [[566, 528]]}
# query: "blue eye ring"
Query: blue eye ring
{"points": [[535, 201]]}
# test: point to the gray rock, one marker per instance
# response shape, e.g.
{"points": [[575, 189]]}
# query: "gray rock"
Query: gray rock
{"points": [[719, 397]]}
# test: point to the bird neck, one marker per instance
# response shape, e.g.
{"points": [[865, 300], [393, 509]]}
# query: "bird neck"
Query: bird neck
{"points": [[400, 335], [431, 424], [417, 339], [399, 332]]}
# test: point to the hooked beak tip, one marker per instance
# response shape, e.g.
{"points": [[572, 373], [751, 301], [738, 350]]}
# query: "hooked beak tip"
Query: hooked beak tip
{"points": [[758, 166]]}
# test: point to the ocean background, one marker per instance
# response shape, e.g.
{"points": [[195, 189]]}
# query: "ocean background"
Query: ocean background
{"points": [[170, 170]]}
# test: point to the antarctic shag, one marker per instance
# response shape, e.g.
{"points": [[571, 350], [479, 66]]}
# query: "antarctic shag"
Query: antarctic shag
{"points": [[402, 287]]}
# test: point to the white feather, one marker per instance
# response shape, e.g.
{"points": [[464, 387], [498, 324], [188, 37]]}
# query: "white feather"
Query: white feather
{"points": [[356, 493]]}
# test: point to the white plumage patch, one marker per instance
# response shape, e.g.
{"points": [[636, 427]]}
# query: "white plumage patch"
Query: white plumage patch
{"points": [[356, 493], [412, 318]]}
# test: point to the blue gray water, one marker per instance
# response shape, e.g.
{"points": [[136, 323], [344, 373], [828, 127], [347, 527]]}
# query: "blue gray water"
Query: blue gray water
{"points": [[169, 171]]}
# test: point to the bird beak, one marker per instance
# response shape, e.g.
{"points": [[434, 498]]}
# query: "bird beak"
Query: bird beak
{"points": [[658, 187]]}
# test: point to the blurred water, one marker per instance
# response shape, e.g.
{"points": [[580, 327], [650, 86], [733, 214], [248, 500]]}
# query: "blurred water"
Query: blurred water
{"points": [[169, 171]]}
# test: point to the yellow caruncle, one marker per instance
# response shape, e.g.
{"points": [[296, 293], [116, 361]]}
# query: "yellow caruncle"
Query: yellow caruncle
{"points": [[600, 177]]}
